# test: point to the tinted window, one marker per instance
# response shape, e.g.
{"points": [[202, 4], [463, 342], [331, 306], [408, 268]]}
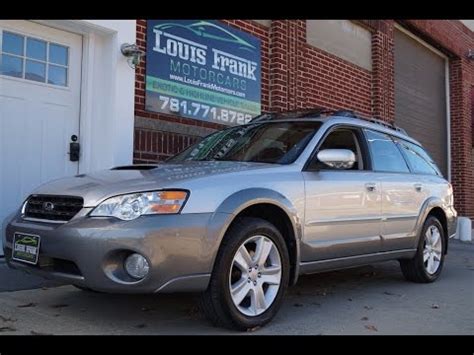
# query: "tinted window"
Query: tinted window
{"points": [[418, 159], [385, 154], [276, 142]]}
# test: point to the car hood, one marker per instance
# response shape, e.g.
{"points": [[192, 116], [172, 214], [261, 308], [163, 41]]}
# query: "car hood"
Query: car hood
{"points": [[95, 187]]}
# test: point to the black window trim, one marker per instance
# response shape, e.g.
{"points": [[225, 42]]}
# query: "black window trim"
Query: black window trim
{"points": [[365, 152]]}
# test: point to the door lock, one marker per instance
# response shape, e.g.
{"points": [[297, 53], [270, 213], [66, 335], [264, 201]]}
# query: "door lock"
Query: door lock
{"points": [[74, 149]]}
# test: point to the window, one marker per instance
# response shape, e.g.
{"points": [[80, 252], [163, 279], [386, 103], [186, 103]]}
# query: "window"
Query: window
{"points": [[33, 59], [342, 138], [385, 154], [419, 160], [275, 143], [342, 38]]}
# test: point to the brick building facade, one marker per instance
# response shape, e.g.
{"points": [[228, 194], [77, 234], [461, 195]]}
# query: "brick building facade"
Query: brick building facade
{"points": [[296, 74]]}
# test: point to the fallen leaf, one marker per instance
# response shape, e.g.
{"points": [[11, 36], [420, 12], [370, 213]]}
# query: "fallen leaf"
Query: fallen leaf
{"points": [[298, 305], [7, 329], [60, 305], [349, 299], [371, 327], [26, 305], [364, 318], [435, 306], [249, 330], [5, 319], [38, 333], [392, 294]]}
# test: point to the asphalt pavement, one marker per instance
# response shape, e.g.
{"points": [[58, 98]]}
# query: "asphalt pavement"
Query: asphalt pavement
{"points": [[366, 300]]}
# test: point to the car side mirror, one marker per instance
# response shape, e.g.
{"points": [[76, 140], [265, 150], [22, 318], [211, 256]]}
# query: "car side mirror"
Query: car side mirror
{"points": [[337, 158]]}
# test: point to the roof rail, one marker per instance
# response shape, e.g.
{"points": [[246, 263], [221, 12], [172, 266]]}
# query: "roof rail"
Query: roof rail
{"points": [[319, 111], [349, 113], [297, 113]]}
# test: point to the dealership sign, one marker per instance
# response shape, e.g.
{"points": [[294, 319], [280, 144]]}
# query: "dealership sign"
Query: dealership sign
{"points": [[202, 69]]}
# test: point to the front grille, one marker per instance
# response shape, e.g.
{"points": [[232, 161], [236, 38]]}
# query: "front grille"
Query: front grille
{"points": [[53, 207]]}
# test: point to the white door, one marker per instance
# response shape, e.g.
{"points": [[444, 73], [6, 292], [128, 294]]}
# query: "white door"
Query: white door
{"points": [[40, 79]]}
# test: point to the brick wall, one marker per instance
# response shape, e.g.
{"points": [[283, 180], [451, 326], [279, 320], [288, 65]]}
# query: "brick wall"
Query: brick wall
{"points": [[296, 75]]}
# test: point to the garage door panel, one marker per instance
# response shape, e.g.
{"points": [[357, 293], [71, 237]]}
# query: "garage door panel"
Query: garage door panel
{"points": [[420, 96]]}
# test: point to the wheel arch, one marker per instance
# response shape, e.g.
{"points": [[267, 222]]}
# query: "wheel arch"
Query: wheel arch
{"points": [[271, 206], [432, 207]]}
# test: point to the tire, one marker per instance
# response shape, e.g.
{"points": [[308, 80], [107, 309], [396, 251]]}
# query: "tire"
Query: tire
{"points": [[217, 302], [419, 270]]}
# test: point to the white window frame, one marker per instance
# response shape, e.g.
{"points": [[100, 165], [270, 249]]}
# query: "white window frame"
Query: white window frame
{"points": [[25, 58]]}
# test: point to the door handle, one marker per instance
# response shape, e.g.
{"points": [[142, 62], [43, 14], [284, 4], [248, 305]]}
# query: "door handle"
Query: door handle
{"points": [[371, 186], [418, 187]]}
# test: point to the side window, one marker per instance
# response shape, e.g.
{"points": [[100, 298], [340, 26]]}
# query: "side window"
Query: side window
{"points": [[343, 138], [418, 159], [385, 154]]}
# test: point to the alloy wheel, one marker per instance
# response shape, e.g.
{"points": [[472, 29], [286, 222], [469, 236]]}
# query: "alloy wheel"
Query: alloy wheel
{"points": [[255, 275], [432, 249]]}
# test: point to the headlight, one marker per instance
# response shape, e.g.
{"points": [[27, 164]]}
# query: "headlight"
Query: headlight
{"points": [[131, 206]]}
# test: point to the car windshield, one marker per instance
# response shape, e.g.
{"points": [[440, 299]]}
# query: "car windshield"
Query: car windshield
{"points": [[262, 142]]}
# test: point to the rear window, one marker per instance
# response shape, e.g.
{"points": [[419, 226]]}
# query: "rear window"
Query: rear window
{"points": [[385, 154], [419, 160]]}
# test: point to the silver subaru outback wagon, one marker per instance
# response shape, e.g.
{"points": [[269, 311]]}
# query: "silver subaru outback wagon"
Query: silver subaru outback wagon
{"points": [[241, 214]]}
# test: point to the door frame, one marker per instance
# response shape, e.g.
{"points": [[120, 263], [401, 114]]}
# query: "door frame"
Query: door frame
{"points": [[447, 91]]}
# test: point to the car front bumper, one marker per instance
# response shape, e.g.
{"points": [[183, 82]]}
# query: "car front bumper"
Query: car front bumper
{"points": [[89, 252]]}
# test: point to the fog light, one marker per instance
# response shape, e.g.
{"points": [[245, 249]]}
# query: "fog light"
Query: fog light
{"points": [[136, 266]]}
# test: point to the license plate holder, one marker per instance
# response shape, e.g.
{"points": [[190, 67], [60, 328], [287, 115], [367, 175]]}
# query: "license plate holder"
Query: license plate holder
{"points": [[26, 248]]}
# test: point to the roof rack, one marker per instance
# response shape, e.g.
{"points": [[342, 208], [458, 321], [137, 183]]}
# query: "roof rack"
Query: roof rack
{"points": [[297, 113], [320, 111]]}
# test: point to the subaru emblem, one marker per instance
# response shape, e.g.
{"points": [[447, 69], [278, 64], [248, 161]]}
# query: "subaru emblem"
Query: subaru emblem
{"points": [[48, 206]]}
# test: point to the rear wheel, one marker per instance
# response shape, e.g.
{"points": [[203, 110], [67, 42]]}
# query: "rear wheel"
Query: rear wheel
{"points": [[427, 264], [250, 276]]}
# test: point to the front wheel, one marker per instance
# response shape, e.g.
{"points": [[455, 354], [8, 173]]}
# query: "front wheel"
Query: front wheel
{"points": [[250, 276], [428, 262]]}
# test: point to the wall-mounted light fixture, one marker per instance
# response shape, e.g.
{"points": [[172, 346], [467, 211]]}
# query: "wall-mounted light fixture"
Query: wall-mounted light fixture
{"points": [[133, 54], [470, 54]]}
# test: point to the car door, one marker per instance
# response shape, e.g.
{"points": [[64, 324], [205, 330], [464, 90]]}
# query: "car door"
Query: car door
{"points": [[402, 191], [342, 207]]}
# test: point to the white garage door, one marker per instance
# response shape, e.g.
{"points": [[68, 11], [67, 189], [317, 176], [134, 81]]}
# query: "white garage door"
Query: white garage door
{"points": [[40, 78]]}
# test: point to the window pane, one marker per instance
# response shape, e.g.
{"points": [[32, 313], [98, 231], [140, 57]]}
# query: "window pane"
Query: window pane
{"points": [[385, 154], [419, 160], [58, 54], [12, 43], [11, 66], [57, 75], [35, 71], [36, 49]]}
